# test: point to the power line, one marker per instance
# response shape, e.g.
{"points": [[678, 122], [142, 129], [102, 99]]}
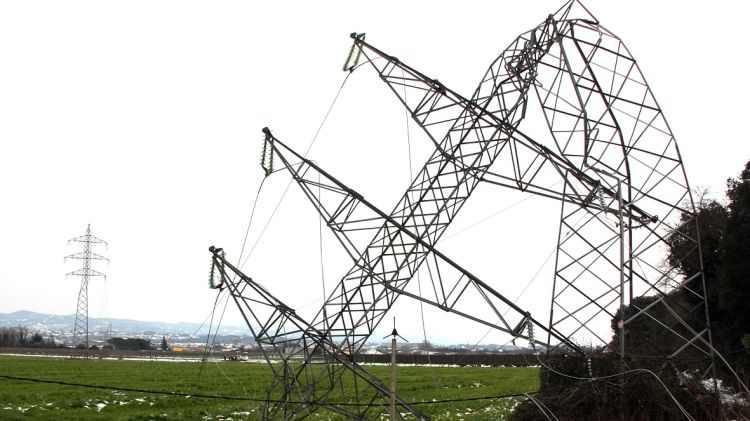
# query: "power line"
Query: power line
{"points": [[490, 398], [137, 390], [312, 142], [250, 222], [248, 399], [208, 337]]}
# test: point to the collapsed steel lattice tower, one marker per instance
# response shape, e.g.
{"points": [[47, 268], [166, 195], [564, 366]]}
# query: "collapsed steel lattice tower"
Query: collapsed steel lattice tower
{"points": [[608, 156], [81, 324]]}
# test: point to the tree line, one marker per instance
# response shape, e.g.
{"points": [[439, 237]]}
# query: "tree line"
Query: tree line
{"points": [[20, 337]]}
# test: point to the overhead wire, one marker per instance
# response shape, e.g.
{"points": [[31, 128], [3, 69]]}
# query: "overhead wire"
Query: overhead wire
{"points": [[208, 337], [242, 263], [250, 222], [286, 190], [491, 402], [209, 347], [245, 398], [265, 226], [210, 313], [208, 316], [208, 350], [490, 398], [325, 118]]}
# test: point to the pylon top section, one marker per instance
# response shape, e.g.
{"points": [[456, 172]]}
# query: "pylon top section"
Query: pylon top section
{"points": [[87, 255], [88, 237]]}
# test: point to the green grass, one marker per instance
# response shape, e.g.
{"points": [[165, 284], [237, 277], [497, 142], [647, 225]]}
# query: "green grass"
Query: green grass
{"points": [[23, 399]]}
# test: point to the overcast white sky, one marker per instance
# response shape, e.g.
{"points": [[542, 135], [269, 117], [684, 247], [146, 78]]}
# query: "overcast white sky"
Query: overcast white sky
{"points": [[143, 119]]}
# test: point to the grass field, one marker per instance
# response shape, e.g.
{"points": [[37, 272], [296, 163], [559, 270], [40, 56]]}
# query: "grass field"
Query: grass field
{"points": [[24, 399]]}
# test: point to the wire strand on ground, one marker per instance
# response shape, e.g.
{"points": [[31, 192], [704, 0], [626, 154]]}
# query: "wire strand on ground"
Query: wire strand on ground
{"points": [[623, 373], [249, 399]]}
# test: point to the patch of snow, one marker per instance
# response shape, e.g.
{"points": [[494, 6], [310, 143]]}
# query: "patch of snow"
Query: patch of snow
{"points": [[725, 394]]}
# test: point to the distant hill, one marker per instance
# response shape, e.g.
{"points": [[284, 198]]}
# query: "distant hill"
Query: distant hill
{"points": [[64, 323]]}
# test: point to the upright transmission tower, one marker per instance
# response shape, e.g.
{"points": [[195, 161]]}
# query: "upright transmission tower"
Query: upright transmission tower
{"points": [[81, 326]]}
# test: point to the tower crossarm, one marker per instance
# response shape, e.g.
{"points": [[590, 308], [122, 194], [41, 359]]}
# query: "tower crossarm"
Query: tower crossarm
{"points": [[86, 272], [83, 255], [88, 238]]}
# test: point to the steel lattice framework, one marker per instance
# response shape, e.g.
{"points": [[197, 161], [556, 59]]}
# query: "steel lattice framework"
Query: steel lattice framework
{"points": [[81, 326], [608, 157]]}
